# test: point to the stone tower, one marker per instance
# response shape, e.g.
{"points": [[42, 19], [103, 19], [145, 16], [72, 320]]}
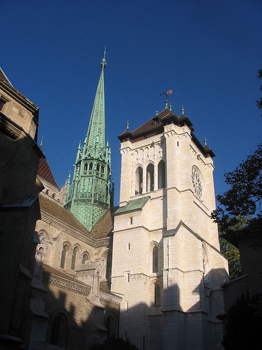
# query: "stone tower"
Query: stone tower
{"points": [[166, 260], [89, 195]]}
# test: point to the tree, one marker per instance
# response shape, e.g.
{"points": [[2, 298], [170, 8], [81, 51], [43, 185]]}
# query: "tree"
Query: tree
{"points": [[259, 102], [233, 257], [244, 198], [243, 330]]}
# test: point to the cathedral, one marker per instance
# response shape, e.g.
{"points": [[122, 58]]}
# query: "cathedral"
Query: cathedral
{"points": [[78, 270]]}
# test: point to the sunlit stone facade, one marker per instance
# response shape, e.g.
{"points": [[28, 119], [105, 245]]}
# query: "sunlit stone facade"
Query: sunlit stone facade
{"points": [[166, 260]]}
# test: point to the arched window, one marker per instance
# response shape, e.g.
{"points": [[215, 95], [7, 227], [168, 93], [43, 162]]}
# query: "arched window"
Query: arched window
{"points": [[139, 180], [60, 330], [90, 166], [111, 325], [63, 256], [155, 259], [85, 166], [74, 258], [150, 178], [157, 299], [161, 174], [85, 258]]}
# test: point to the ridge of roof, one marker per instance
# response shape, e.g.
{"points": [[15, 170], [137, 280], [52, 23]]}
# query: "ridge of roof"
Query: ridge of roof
{"points": [[61, 213], [45, 171], [105, 225], [4, 77]]}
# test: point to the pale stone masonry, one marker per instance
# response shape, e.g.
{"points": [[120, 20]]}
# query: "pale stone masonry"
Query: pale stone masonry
{"points": [[173, 305]]}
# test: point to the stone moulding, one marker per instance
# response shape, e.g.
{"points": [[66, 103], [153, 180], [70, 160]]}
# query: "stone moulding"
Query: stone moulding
{"points": [[73, 286]]}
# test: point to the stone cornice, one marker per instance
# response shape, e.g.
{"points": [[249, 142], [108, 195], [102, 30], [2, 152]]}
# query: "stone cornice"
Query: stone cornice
{"points": [[65, 283]]}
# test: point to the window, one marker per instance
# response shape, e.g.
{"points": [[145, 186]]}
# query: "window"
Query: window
{"points": [[63, 256], [60, 330], [155, 259], [150, 178], [85, 166], [111, 325], [161, 174], [85, 258], [74, 258], [139, 181], [131, 220], [157, 298]]}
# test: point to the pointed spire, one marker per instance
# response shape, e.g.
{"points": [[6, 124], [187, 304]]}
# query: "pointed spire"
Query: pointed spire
{"points": [[182, 110], [96, 130], [89, 195], [103, 62], [41, 143], [205, 141], [127, 125]]}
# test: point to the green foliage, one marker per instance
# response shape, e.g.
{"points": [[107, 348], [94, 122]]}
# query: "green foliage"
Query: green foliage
{"points": [[243, 331], [233, 257], [259, 102], [114, 344], [244, 197]]}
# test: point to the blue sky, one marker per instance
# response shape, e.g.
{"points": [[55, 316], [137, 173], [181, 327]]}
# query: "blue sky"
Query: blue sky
{"points": [[208, 52]]}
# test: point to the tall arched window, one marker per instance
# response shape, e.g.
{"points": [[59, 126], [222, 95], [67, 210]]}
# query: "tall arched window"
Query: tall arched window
{"points": [[111, 325], [150, 178], [157, 299], [63, 256], [59, 333], [155, 259], [139, 180], [74, 258], [161, 174]]}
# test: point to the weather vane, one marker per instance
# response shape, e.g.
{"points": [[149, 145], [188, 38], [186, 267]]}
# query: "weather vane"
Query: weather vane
{"points": [[168, 92]]}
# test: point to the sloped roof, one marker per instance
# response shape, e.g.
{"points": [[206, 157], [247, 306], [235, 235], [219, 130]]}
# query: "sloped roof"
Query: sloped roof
{"points": [[60, 213], [136, 204], [4, 77], [63, 274], [45, 172], [105, 225], [155, 126]]}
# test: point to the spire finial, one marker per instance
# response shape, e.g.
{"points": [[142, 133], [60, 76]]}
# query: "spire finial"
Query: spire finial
{"points": [[127, 125], [41, 143], [205, 141], [170, 106], [103, 62], [168, 92], [182, 110]]}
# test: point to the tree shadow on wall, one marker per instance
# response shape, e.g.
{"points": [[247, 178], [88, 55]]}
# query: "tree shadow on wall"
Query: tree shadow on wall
{"points": [[76, 318], [77, 321]]}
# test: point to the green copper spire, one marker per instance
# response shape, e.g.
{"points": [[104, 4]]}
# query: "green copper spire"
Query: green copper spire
{"points": [[96, 130], [90, 194]]}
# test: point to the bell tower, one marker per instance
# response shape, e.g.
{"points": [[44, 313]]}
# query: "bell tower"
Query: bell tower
{"points": [[89, 195], [166, 260]]}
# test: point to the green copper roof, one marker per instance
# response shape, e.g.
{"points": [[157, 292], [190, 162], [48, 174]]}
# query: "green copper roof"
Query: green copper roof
{"points": [[136, 204], [90, 194], [95, 136]]}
